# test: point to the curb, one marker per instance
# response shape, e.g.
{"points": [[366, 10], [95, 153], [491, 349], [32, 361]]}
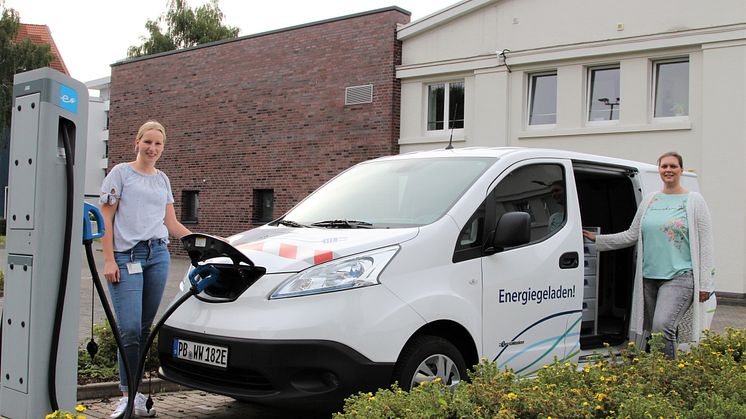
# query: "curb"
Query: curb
{"points": [[111, 389]]}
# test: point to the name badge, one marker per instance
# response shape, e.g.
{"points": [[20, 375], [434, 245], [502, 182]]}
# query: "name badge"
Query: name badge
{"points": [[134, 268]]}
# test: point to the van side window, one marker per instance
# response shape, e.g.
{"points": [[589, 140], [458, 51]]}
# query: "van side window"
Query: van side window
{"points": [[537, 189]]}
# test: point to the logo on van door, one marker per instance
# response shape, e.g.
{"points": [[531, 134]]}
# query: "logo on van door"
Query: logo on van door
{"points": [[523, 297], [504, 344]]}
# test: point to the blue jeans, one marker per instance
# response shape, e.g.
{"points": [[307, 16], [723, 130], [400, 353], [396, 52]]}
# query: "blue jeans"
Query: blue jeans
{"points": [[136, 298], [666, 301]]}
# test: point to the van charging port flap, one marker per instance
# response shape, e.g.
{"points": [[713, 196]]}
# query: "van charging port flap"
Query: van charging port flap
{"points": [[233, 279]]}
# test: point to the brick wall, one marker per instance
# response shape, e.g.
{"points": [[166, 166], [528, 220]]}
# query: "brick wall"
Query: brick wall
{"points": [[263, 112]]}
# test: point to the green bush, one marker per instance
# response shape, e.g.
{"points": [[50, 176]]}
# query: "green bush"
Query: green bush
{"points": [[2, 282], [707, 382], [103, 366]]}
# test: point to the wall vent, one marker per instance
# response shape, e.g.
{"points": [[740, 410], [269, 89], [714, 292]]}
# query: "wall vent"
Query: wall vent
{"points": [[356, 95]]}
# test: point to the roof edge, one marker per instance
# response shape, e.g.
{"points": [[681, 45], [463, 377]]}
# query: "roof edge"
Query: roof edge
{"points": [[440, 17], [260, 34]]}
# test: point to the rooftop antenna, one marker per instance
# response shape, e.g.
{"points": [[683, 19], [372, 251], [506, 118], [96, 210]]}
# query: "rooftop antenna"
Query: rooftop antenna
{"points": [[453, 125]]}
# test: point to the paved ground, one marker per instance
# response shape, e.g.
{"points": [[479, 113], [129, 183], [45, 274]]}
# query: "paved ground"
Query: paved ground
{"points": [[196, 404]]}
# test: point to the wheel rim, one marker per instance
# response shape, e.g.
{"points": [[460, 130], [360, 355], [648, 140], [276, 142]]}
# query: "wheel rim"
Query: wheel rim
{"points": [[437, 366]]}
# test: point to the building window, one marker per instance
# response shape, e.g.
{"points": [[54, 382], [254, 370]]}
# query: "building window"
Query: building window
{"points": [[671, 87], [264, 205], [445, 102], [189, 206], [604, 100], [106, 122], [542, 99]]}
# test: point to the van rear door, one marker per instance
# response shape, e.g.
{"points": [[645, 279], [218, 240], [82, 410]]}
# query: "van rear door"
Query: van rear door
{"points": [[532, 294]]}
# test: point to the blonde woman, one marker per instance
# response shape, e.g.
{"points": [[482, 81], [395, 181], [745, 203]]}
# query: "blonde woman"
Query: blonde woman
{"points": [[137, 206]]}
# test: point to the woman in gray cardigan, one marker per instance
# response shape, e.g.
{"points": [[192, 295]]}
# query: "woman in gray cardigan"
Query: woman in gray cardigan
{"points": [[674, 231]]}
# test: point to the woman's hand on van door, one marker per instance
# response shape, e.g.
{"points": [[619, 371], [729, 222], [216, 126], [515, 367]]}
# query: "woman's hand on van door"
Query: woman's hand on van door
{"points": [[588, 235]]}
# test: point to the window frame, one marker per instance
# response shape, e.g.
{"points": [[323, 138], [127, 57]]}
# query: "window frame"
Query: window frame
{"points": [[188, 204], [655, 63], [258, 216], [446, 107], [530, 98], [589, 94]]}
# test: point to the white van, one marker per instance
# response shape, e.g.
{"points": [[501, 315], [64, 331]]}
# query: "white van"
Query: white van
{"points": [[416, 266]]}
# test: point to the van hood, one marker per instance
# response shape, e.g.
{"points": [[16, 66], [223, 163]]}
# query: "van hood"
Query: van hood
{"points": [[285, 249]]}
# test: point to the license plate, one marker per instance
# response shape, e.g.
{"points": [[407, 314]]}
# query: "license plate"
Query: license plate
{"points": [[200, 352]]}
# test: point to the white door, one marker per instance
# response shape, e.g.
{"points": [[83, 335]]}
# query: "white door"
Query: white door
{"points": [[532, 294]]}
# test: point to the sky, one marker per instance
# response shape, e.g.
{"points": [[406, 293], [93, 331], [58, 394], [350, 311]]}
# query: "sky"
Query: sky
{"points": [[93, 34]]}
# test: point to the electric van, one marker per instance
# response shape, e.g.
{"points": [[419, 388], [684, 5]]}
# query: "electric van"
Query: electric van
{"points": [[416, 266]]}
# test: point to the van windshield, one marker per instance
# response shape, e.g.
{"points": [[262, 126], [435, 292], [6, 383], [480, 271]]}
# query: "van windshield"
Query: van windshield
{"points": [[390, 193]]}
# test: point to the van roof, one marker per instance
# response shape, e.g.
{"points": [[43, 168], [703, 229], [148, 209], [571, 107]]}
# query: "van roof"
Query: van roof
{"points": [[525, 152]]}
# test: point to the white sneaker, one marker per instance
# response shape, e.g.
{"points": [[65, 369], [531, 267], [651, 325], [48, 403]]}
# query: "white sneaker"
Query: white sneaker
{"points": [[140, 408], [120, 408]]}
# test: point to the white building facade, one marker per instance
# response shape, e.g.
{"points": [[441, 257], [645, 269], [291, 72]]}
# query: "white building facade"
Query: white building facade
{"points": [[630, 79], [98, 137]]}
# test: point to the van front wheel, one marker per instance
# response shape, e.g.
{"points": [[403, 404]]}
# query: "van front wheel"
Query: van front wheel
{"points": [[426, 358]]}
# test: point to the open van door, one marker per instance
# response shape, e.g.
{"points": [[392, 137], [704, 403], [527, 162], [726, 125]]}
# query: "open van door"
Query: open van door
{"points": [[532, 291]]}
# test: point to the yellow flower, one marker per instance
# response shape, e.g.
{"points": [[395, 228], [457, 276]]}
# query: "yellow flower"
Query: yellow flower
{"points": [[631, 344], [650, 396], [660, 370], [437, 380], [598, 407], [681, 365], [371, 398], [635, 359], [51, 415], [511, 396], [80, 408], [600, 397], [585, 403]]}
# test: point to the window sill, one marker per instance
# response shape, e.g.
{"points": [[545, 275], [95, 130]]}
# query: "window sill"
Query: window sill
{"points": [[189, 222], [606, 129]]}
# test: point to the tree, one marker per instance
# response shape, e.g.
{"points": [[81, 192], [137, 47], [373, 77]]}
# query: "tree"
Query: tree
{"points": [[16, 57], [184, 28]]}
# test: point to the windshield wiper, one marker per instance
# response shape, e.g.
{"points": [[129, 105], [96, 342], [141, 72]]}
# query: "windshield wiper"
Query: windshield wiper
{"points": [[291, 223], [342, 224]]}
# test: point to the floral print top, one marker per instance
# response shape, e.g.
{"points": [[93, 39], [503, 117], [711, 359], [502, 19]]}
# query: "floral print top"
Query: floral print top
{"points": [[665, 237]]}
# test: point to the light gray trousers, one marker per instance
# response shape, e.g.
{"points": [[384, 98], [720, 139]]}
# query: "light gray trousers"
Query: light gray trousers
{"points": [[666, 301]]}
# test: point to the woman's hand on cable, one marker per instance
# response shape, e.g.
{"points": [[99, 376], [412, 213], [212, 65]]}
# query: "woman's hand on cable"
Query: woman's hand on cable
{"points": [[588, 235], [704, 296], [111, 271]]}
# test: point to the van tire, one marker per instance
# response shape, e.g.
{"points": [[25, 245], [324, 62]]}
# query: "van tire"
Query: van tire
{"points": [[426, 358]]}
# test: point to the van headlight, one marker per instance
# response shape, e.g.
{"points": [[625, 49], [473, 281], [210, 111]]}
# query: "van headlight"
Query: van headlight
{"points": [[356, 271]]}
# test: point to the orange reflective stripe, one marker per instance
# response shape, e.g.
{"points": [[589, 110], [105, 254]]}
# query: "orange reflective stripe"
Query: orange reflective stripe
{"points": [[321, 256], [288, 251]]}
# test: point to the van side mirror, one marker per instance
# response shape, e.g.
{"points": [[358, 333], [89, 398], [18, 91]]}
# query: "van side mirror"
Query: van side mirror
{"points": [[513, 229]]}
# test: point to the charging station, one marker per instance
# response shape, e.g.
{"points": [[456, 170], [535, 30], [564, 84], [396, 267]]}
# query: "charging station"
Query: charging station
{"points": [[48, 138]]}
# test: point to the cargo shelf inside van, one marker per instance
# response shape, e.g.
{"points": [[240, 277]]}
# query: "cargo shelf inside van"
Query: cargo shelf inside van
{"points": [[608, 200]]}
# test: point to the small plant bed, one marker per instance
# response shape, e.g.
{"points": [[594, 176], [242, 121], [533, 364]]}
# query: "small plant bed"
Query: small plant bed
{"points": [[103, 366], [707, 382]]}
